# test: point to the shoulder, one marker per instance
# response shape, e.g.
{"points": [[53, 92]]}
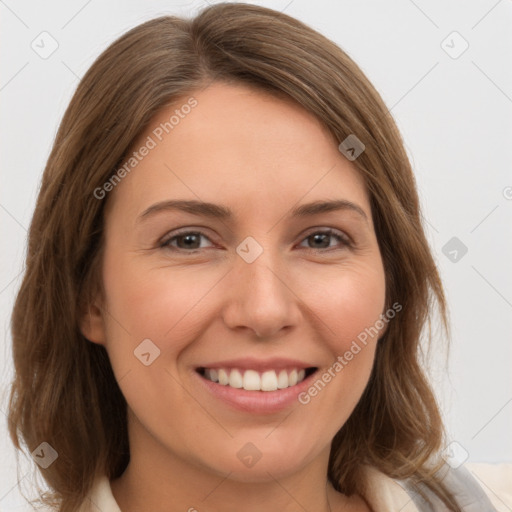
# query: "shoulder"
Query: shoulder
{"points": [[384, 494], [476, 486], [496, 481]]}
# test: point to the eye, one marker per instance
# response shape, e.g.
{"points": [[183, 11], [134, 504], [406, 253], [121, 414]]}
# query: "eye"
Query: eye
{"points": [[185, 240], [320, 239]]}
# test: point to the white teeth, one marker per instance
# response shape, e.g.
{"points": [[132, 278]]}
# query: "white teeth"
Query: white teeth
{"points": [[236, 379], [252, 380], [282, 379], [223, 377], [269, 381]]}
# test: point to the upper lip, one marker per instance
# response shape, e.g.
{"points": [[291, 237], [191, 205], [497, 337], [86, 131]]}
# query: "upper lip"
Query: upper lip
{"points": [[261, 365]]}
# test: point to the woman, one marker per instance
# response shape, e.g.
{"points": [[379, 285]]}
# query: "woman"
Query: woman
{"points": [[256, 370]]}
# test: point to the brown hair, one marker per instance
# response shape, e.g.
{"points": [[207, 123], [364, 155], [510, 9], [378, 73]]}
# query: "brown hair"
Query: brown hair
{"points": [[65, 393]]}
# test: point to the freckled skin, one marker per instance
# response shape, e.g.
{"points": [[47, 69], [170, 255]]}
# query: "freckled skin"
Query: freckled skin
{"points": [[260, 156]]}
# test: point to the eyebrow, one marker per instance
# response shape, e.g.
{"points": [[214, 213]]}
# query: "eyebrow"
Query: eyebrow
{"points": [[220, 212]]}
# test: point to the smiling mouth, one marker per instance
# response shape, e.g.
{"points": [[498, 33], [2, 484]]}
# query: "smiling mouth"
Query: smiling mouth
{"points": [[252, 380]]}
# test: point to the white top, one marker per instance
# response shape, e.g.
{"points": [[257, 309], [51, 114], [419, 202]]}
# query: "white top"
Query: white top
{"points": [[385, 494]]}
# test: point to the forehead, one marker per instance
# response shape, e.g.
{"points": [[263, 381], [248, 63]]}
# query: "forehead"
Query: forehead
{"points": [[241, 146]]}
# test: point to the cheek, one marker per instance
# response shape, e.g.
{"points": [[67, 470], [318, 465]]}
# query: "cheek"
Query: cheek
{"points": [[148, 303], [350, 325], [165, 305], [349, 302]]}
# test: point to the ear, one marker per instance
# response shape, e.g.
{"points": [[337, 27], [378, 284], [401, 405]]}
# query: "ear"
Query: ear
{"points": [[92, 324]]}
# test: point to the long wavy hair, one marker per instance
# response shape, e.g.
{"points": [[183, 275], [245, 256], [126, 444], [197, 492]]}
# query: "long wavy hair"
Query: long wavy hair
{"points": [[64, 391]]}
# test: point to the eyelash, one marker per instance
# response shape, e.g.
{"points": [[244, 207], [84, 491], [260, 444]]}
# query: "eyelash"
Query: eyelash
{"points": [[344, 239]]}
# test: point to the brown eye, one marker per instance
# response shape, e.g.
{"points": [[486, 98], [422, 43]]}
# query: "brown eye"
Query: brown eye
{"points": [[322, 239], [187, 241]]}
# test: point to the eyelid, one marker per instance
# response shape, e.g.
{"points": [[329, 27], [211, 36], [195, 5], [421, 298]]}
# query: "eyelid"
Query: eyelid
{"points": [[330, 231], [180, 232]]}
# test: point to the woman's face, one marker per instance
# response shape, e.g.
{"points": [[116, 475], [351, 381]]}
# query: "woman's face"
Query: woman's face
{"points": [[238, 280]]}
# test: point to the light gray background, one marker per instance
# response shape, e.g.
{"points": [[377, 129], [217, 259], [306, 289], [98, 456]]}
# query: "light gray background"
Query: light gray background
{"points": [[455, 115]]}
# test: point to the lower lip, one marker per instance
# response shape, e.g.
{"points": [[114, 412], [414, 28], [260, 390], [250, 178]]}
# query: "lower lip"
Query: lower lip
{"points": [[261, 402]]}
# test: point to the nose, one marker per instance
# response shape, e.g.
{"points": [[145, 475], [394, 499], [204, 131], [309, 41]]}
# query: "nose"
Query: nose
{"points": [[261, 297]]}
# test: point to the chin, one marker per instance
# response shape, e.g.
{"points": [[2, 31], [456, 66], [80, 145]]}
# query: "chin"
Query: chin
{"points": [[259, 461]]}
